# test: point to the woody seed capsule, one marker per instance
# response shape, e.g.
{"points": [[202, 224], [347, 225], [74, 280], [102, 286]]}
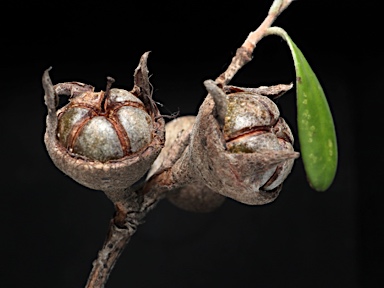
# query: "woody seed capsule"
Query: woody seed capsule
{"points": [[241, 148], [104, 140], [105, 128], [252, 124]]}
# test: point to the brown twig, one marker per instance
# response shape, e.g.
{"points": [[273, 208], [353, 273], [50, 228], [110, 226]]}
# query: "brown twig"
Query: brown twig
{"points": [[128, 216], [244, 53], [117, 238]]}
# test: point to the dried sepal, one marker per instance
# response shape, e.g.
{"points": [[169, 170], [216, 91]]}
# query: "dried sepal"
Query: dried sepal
{"points": [[273, 92], [113, 174]]}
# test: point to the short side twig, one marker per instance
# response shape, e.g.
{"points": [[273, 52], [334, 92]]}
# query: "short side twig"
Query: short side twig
{"points": [[244, 53]]}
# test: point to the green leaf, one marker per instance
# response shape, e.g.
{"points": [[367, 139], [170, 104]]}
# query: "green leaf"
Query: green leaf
{"points": [[316, 129]]}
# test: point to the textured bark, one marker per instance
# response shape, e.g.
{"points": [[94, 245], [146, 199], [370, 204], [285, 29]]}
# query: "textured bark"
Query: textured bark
{"points": [[128, 216]]}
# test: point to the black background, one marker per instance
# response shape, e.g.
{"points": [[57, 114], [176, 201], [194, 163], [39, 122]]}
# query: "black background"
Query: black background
{"points": [[52, 227]]}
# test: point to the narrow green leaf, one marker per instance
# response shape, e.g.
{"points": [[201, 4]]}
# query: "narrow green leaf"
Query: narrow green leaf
{"points": [[316, 129]]}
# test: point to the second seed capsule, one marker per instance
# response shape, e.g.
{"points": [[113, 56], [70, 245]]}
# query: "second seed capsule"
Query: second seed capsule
{"points": [[253, 123]]}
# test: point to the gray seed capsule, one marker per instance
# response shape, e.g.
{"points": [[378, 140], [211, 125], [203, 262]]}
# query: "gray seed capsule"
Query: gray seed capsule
{"points": [[104, 127], [104, 140], [252, 124]]}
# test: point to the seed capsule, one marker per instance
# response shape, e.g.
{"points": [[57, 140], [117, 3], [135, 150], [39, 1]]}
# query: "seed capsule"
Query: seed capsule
{"points": [[252, 124], [241, 147], [104, 140], [104, 127], [247, 112]]}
